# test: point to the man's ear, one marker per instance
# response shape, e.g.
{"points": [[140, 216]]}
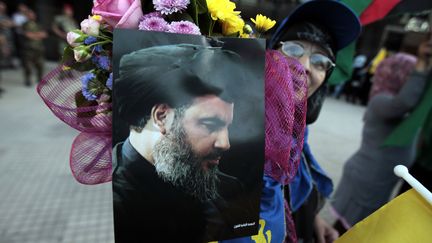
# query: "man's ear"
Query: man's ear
{"points": [[159, 115]]}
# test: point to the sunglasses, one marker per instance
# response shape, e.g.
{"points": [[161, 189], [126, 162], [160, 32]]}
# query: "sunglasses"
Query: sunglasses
{"points": [[319, 61]]}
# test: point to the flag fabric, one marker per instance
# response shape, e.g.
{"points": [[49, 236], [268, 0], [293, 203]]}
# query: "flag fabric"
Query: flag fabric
{"points": [[368, 11], [377, 10], [405, 133], [343, 69], [405, 219], [382, 54], [345, 56]]}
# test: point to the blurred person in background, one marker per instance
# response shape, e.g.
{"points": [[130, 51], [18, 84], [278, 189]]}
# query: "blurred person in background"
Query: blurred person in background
{"points": [[313, 34], [19, 18], [32, 48], [368, 180], [7, 47], [357, 87], [62, 24], [2, 51], [422, 168]]}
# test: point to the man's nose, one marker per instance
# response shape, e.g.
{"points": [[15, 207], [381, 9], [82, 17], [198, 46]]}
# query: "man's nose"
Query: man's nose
{"points": [[222, 140]]}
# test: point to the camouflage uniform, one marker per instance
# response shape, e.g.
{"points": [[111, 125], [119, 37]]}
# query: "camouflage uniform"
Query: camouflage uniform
{"points": [[32, 52]]}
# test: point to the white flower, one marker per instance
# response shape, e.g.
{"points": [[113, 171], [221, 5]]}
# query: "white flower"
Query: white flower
{"points": [[90, 26], [81, 53], [72, 37]]}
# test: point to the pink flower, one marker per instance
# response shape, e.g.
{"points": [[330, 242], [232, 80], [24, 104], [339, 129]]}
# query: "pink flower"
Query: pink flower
{"points": [[90, 26], [167, 7], [119, 13], [152, 14], [72, 37], [184, 27], [153, 23]]}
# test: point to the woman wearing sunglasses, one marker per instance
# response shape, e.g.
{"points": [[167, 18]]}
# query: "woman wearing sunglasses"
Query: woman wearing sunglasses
{"points": [[313, 34]]}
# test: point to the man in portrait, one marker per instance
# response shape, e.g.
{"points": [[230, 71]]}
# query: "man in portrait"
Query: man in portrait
{"points": [[179, 102]]}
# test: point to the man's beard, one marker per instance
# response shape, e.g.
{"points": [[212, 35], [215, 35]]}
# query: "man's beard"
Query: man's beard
{"points": [[176, 163]]}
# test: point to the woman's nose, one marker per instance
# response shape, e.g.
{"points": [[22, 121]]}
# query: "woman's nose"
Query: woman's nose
{"points": [[305, 61]]}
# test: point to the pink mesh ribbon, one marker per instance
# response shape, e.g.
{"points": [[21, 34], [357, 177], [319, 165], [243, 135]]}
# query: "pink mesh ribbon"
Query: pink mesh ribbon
{"points": [[90, 156], [285, 111]]}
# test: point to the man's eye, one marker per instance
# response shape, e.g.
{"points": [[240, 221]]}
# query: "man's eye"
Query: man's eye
{"points": [[211, 127]]}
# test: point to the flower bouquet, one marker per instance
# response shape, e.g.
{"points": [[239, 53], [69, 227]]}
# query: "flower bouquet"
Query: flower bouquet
{"points": [[79, 90]]}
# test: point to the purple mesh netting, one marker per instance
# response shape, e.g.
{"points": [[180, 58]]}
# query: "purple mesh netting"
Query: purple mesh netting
{"points": [[285, 110], [90, 157]]}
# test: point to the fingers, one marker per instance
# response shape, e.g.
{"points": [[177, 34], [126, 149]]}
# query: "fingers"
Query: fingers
{"points": [[320, 229], [324, 232], [331, 235]]}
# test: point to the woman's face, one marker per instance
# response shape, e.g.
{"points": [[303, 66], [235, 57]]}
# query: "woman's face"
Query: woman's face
{"points": [[314, 59]]}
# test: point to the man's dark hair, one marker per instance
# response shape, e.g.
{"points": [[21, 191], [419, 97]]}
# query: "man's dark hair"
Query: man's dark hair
{"points": [[174, 75]]}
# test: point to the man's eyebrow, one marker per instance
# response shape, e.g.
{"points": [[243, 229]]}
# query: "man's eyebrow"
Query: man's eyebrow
{"points": [[216, 120]]}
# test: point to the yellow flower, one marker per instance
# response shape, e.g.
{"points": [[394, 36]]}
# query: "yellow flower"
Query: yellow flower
{"points": [[97, 18], [221, 9], [233, 25], [262, 23], [244, 35]]}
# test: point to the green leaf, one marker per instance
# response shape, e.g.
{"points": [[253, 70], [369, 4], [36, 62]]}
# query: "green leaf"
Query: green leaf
{"points": [[83, 66], [201, 6], [192, 10], [205, 21], [81, 39], [68, 55], [78, 31]]}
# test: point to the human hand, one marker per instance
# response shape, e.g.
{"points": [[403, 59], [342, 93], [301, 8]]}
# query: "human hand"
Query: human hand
{"points": [[324, 232]]}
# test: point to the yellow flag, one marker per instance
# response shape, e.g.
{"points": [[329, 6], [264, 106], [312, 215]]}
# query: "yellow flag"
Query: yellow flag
{"points": [[405, 219], [382, 54]]}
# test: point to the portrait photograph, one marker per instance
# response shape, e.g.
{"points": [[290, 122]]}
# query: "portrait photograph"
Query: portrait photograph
{"points": [[188, 136]]}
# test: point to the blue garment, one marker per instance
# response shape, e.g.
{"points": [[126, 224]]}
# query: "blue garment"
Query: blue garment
{"points": [[272, 215], [309, 174]]}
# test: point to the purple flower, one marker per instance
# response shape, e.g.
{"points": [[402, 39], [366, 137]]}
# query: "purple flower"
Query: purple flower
{"points": [[97, 48], [101, 62], [167, 7], [153, 23], [184, 27], [109, 81], [152, 14], [86, 91], [104, 62], [90, 40]]}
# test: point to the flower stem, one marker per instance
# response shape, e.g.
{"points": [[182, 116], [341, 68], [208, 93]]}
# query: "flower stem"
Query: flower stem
{"points": [[105, 37], [212, 23], [100, 43]]}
